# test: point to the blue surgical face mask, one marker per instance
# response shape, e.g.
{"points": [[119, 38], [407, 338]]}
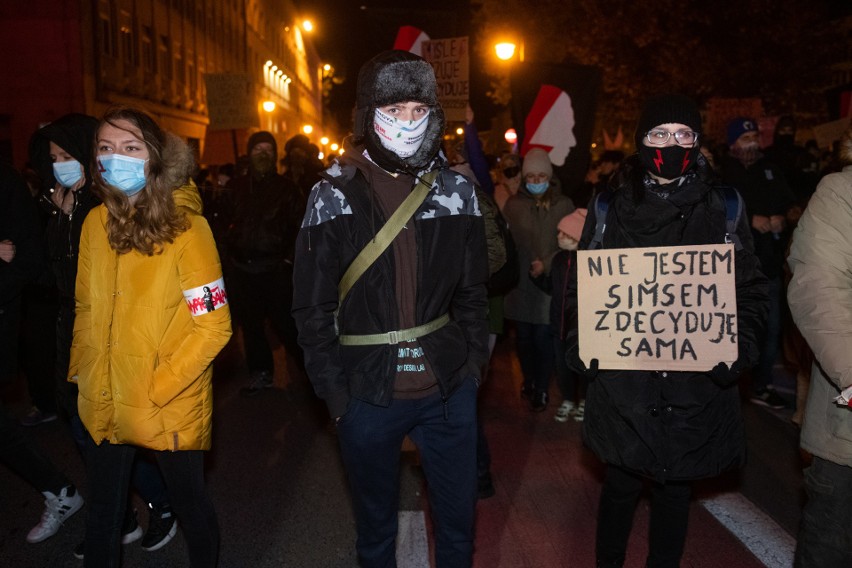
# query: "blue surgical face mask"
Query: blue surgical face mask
{"points": [[67, 173], [123, 172], [537, 188]]}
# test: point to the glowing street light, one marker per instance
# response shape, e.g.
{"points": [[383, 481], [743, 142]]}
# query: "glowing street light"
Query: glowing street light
{"points": [[308, 26], [324, 140], [307, 129], [268, 106], [334, 147], [505, 50]]}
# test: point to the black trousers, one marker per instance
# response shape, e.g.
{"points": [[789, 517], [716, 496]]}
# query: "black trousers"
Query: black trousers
{"points": [[20, 454], [108, 469], [669, 519], [260, 297]]}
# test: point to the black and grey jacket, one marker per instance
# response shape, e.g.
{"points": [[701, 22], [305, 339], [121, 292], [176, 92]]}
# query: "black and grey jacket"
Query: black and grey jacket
{"points": [[342, 216]]}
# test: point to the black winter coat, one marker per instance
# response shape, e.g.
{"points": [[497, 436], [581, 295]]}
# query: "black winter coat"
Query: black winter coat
{"points": [[671, 425], [74, 133], [766, 192], [266, 216], [342, 216]]}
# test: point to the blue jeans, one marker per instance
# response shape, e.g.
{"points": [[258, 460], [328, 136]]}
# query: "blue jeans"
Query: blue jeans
{"points": [[445, 433], [534, 343], [824, 533], [108, 469]]}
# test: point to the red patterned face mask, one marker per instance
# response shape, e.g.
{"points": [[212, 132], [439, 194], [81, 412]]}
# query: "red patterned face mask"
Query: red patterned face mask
{"points": [[668, 162]]}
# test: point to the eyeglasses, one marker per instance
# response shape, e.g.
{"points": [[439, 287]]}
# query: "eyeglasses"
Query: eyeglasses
{"points": [[682, 137]]}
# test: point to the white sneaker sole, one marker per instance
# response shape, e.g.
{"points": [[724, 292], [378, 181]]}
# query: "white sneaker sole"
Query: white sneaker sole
{"points": [[165, 540]]}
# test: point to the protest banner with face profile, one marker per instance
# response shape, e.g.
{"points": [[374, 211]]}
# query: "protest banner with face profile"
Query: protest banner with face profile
{"points": [[661, 308]]}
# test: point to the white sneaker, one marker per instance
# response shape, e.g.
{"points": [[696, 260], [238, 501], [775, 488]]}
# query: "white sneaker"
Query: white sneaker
{"points": [[579, 412], [57, 508], [564, 411]]}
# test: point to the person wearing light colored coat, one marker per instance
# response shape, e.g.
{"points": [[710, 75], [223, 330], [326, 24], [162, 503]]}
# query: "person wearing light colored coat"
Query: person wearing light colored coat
{"points": [[820, 298]]}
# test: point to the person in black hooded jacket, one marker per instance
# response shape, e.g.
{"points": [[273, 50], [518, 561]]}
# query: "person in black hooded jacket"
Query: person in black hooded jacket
{"points": [[61, 153], [669, 427], [266, 210]]}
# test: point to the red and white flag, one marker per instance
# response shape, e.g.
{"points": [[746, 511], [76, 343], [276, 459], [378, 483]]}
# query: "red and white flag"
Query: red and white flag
{"points": [[409, 38], [553, 108], [550, 125]]}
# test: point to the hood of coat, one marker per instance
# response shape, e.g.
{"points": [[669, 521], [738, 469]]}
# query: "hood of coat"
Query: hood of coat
{"points": [[74, 133], [178, 162], [188, 198]]}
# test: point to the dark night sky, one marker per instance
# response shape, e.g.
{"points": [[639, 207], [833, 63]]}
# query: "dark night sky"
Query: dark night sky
{"points": [[349, 32]]}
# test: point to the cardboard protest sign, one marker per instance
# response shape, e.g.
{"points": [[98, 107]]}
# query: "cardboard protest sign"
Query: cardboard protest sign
{"points": [[661, 308], [230, 101], [450, 58]]}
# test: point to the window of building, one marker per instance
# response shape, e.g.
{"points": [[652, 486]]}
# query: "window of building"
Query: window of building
{"points": [[165, 57], [106, 29], [148, 57], [129, 51], [192, 76], [180, 69]]}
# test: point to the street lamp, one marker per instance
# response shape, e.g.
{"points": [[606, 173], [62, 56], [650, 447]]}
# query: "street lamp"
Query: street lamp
{"points": [[505, 50], [268, 106], [307, 25], [307, 129]]}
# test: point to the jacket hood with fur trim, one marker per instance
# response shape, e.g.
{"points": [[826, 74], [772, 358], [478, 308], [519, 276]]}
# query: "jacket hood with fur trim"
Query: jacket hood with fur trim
{"points": [[391, 77]]}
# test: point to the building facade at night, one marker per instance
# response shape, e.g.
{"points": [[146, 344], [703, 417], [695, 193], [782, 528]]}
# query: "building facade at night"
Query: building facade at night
{"points": [[211, 71]]}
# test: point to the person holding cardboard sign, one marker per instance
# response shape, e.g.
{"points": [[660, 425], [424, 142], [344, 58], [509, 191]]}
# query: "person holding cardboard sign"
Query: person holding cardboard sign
{"points": [[669, 427]]}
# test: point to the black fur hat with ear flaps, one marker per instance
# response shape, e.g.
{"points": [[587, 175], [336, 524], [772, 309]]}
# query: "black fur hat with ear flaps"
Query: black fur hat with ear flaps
{"points": [[396, 76]]}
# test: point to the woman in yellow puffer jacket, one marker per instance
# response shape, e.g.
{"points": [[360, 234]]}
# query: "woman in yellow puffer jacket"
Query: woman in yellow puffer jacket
{"points": [[152, 313]]}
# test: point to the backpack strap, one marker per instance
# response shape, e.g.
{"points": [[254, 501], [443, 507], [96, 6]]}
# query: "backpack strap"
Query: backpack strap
{"points": [[601, 208], [733, 213]]}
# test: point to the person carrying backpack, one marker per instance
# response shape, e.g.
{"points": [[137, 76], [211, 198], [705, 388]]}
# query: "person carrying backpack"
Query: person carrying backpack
{"points": [[666, 427]]}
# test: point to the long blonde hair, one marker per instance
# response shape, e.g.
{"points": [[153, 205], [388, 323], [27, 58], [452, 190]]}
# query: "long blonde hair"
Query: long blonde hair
{"points": [[154, 220]]}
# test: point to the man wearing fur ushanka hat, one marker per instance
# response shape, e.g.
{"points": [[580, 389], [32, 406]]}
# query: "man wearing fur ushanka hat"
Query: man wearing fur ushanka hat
{"points": [[400, 352]]}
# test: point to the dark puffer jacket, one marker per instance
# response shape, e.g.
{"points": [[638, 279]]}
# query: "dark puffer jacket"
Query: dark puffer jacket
{"points": [[671, 425], [342, 216], [74, 133]]}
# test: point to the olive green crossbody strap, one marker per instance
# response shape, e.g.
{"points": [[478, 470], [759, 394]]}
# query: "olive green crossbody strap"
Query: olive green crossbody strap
{"points": [[386, 235]]}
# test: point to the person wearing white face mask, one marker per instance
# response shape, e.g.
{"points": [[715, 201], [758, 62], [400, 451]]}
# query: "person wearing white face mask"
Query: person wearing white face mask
{"points": [[533, 214], [152, 313], [399, 352]]}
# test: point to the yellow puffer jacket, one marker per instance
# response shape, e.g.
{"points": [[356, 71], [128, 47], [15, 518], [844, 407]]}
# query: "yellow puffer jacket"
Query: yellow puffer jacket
{"points": [[141, 359]]}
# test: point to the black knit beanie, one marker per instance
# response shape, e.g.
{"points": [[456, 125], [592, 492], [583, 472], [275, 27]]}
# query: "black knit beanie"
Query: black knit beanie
{"points": [[664, 109], [396, 76], [263, 136]]}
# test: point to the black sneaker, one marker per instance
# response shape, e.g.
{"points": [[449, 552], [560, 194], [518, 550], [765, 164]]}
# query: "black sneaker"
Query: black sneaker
{"points": [[130, 532], [261, 381], [485, 487], [162, 527], [538, 402], [769, 398]]}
